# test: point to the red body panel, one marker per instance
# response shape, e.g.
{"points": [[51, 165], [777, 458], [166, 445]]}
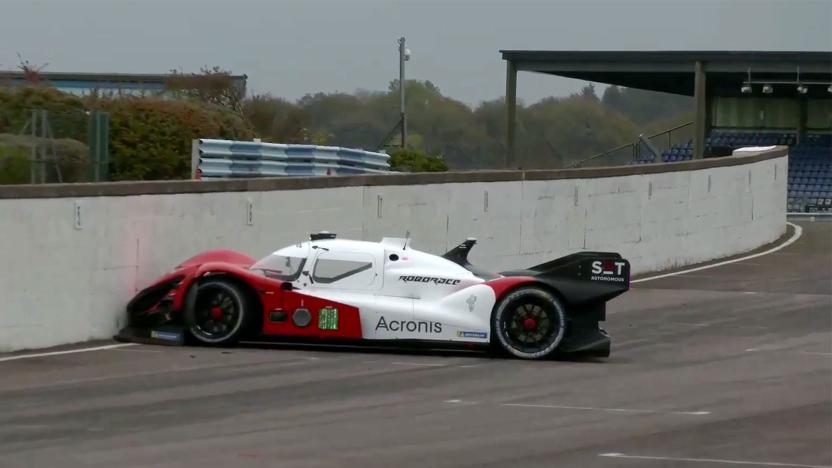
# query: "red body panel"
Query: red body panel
{"points": [[507, 283], [274, 298], [225, 256], [349, 319], [269, 291], [191, 268], [176, 295]]}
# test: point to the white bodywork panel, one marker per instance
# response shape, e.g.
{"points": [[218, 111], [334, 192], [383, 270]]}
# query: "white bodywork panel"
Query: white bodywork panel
{"points": [[403, 293]]}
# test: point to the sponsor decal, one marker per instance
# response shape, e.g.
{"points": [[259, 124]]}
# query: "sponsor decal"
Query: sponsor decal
{"points": [[608, 270], [612, 279], [471, 334], [607, 267], [471, 301], [413, 326], [427, 279], [166, 335], [328, 318]]}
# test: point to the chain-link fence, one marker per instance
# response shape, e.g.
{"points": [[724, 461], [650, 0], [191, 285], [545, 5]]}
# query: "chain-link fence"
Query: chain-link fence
{"points": [[40, 146]]}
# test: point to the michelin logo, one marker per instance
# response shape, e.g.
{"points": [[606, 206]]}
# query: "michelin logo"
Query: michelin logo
{"points": [[470, 334], [165, 335]]}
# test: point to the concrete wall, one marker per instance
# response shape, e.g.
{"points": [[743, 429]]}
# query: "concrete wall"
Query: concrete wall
{"points": [[69, 263]]}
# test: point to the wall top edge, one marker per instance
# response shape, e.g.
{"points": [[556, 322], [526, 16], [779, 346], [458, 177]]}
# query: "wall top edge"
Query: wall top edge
{"points": [[168, 187]]}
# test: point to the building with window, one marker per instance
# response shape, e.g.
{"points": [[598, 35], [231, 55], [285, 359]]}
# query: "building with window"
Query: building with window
{"points": [[107, 83]]}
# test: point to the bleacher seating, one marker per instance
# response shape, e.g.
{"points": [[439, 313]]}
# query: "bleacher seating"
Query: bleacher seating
{"points": [[738, 139], [810, 163], [810, 175], [681, 152]]}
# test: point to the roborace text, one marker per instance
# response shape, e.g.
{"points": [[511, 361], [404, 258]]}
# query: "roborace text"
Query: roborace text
{"points": [[427, 279]]}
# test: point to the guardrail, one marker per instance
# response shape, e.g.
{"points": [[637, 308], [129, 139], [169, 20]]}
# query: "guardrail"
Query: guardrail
{"points": [[224, 159], [629, 153]]}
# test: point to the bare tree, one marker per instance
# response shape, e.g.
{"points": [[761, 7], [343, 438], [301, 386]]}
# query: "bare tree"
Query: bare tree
{"points": [[211, 85], [31, 74]]}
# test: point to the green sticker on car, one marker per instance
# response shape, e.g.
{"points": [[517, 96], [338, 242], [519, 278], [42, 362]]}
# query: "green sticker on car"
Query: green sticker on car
{"points": [[328, 318]]}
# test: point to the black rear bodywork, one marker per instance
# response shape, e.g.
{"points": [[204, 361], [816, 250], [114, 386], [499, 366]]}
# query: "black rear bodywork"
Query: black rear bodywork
{"points": [[583, 281]]}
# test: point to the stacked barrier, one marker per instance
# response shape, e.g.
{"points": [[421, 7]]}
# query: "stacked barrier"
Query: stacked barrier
{"points": [[223, 159]]}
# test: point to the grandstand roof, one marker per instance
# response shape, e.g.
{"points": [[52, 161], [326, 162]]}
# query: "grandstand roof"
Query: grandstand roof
{"points": [[701, 74], [673, 71], [104, 81]]}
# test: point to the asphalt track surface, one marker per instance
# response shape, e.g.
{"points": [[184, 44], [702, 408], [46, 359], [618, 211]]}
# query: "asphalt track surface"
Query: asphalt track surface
{"points": [[725, 367]]}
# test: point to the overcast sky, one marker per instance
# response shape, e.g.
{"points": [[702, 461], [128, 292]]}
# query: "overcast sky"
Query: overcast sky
{"points": [[291, 48]]}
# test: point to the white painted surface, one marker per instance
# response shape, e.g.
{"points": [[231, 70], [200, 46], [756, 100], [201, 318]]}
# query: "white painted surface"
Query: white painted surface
{"points": [[68, 266], [66, 351], [715, 461], [609, 410], [798, 231]]}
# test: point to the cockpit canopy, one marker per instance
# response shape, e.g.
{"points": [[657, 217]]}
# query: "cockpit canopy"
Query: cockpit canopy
{"points": [[325, 261], [280, 267]]}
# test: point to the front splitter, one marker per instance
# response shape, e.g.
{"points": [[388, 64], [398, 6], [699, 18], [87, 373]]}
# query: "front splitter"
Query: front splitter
{"points": [[167, 335]]}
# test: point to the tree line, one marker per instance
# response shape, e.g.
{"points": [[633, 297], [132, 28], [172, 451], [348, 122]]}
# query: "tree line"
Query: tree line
{"points": [[150, 134], [550, 133]]}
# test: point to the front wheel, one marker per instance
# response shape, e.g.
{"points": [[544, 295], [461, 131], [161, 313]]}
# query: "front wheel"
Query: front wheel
{"points": [[219, 313], [529, 322]]}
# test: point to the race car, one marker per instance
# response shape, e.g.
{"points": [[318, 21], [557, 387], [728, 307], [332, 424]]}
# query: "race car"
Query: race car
{"points": [[331, 290]]}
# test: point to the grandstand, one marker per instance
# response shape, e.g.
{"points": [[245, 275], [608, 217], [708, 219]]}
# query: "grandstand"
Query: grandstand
{"points": [[810, 162], [741, 99], [119, 83]]}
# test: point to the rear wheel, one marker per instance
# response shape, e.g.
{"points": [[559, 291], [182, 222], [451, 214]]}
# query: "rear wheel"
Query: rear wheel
{"points": [[219, 313], [529, 323]]}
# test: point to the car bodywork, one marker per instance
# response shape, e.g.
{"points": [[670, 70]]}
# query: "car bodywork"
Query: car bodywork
{"points": [[336, 290]]}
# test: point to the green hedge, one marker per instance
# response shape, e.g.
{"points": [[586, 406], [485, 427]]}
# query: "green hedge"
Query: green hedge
{"points": [[14, 165], [150, 138], [15, 154], [67, 114], [412, 160]]}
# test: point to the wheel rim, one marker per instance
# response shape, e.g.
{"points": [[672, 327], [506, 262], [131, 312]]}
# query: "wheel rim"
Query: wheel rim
{"points": [[530, 326], [216, 313]]}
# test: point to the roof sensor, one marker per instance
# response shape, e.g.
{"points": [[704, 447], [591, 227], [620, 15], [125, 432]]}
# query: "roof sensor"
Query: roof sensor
{"points": [[323, 235]]}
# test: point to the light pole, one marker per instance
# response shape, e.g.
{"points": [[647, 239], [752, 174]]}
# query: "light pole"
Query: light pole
{"points": [[404, 55]]}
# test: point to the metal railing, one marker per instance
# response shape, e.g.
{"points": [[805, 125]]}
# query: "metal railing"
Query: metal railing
{"points": [[629, 152], [809, 204], [232, 159], [39, 146]]}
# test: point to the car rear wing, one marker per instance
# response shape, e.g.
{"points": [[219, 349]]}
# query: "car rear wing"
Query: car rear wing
{"points": [[584, 276]]}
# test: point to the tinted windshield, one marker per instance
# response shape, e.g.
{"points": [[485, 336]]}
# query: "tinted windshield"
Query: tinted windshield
{"points": [[280, 267]]}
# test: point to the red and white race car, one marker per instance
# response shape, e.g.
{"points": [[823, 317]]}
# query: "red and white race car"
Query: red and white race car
{"points": [[334, 291]]}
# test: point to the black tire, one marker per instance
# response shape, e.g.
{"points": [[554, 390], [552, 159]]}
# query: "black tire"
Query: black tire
{"points": [[529, 323], [220, 313]]}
